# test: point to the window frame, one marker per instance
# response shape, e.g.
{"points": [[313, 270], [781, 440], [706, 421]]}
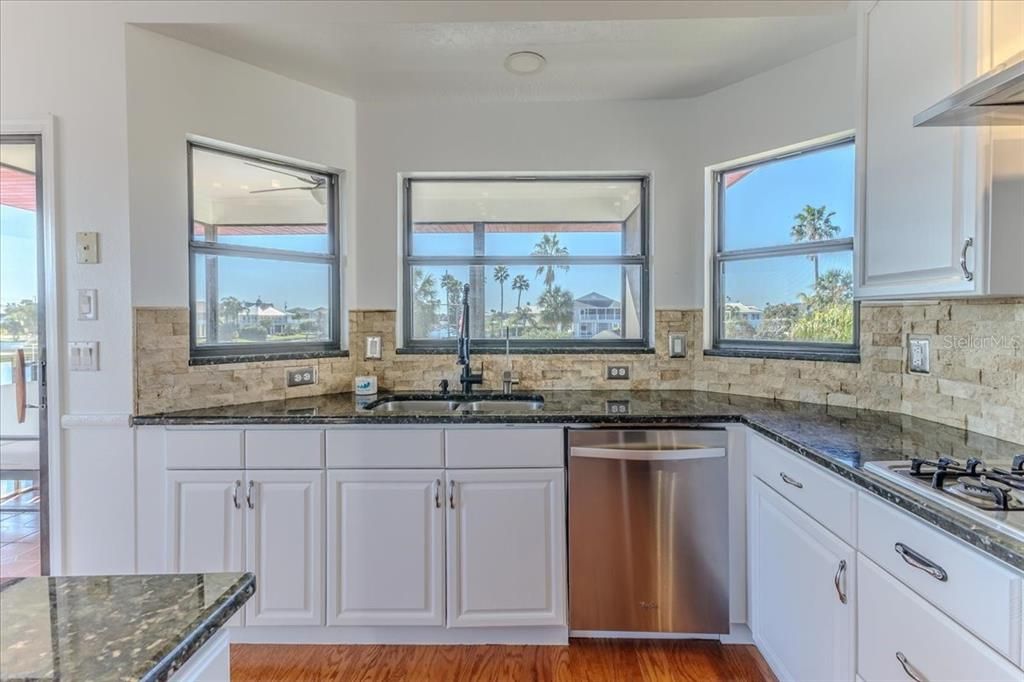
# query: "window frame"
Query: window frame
{"points": [[484, 345], [212, 353], [770, 348]]}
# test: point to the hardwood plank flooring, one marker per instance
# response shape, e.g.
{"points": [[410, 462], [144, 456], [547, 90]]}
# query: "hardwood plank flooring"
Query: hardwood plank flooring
{"points": [[585, 660]]}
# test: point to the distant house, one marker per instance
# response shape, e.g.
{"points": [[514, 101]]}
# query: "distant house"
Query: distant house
{"points": [[752, 315], [264, 315], [595, 314]]}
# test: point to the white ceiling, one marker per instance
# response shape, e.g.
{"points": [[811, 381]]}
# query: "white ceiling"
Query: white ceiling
{"points": [[688, 50]]}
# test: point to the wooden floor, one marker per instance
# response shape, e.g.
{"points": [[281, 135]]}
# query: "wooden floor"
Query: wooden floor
{"points": [[587, 660]]}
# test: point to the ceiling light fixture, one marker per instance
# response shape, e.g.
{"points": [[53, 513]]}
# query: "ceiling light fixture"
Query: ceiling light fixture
{"points": [[525, 63]]}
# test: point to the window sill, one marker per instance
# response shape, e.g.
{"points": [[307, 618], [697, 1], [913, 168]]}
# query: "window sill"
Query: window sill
{"points": [[852, 356], [200, 360], [531, 350]]}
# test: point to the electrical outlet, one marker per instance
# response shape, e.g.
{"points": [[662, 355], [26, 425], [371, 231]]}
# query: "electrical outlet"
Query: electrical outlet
{"points": [[616, 407], [677, 345], [303, 376], [919, 354], [87, 250], [617, 372]]}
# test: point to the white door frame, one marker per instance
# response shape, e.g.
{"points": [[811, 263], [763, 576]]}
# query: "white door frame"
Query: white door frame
{"points": [[43, 126]]}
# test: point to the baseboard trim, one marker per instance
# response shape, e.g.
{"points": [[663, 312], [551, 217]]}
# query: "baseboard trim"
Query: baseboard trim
{"points": [[739, 633], [547, 636], [629, 634]]}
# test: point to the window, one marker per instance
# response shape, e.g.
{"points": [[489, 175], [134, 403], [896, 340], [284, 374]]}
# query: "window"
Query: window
{"points": [[784, 255], [557, 262], [263, 257]]}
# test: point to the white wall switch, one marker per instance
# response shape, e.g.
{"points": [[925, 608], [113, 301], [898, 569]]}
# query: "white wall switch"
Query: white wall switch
{"points": [[677, 345], [87, 304], [84, 356], [918, 354], [87, 248], [373, 348]]}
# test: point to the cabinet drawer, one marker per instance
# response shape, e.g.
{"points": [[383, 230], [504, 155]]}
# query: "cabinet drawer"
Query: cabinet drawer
{"points": [[398, 448], [824, 496], [203, 449], [284, 449], [504, 448], [895, 623], [980, 594]]}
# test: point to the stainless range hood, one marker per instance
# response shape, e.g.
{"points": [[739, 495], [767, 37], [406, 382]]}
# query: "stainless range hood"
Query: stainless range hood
{"points": [[995, 99]]}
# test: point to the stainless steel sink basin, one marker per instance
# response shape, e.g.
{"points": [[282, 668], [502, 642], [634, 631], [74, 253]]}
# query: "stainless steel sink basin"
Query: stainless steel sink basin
{"points": [[416, 406], [502, 406]]}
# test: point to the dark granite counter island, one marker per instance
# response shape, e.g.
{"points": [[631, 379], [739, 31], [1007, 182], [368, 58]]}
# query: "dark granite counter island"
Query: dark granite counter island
{"points": [[125, 627], [841, 439]]}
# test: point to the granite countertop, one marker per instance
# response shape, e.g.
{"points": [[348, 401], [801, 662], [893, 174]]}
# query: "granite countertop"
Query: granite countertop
{"points": [[839, 438], [124, 627]]}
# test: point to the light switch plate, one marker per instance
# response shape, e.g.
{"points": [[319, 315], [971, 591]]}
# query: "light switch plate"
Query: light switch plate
{"points": [[918, 354], [373, 348], [87, 304], [84, 356], [300, 376], [87, 248], [617, 372], [677, 345]]}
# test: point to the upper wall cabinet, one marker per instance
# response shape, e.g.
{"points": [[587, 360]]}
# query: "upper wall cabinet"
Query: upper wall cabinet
{"points": [[941, 208]]}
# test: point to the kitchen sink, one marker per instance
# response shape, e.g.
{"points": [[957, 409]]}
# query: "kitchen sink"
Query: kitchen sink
{"points": [[416, 405], [494, 404], [501, 406]]}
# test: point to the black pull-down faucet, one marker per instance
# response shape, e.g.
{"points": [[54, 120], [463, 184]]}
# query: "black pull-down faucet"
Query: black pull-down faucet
{"points": [[467, 378]]}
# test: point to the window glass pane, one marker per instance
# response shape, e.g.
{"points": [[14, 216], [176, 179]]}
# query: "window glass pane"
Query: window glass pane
{"points": [[807, 197], [503, 218], [804, 298], [247, 202], [537, 302], [260, 300]]}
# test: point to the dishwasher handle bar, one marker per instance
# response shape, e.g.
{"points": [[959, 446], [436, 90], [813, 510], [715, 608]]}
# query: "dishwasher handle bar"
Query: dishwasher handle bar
{"points": [[646, 455]]}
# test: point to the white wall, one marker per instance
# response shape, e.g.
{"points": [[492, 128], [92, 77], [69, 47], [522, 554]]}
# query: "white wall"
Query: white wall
{"points": [[176, 90], [674, 140]]}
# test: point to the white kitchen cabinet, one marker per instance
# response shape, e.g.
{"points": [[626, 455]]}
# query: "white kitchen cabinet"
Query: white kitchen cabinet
{"points": [[903, 637], [802, 583], [284, 543], [931, 196], [385, 547], [204, 521], [506, 547]]}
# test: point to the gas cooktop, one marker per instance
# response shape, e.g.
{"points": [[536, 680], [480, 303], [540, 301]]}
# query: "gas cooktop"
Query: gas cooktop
{"points": [[993, 495]]}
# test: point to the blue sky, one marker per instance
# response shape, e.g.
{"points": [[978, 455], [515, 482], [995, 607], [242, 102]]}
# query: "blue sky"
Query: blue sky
{"points": [[17, 254]]}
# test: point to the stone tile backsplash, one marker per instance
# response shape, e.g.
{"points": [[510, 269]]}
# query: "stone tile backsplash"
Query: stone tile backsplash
{"points": [[976, 379]]}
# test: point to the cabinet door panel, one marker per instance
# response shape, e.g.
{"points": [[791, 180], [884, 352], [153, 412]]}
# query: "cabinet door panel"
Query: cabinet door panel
{"points": [[285, 547], [798, 619], [917, 186], [204, 526], [506, 547], [385, 557]]}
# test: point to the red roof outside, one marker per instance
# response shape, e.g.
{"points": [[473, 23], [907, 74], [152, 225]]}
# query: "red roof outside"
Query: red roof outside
{"points": [[17, 188]]}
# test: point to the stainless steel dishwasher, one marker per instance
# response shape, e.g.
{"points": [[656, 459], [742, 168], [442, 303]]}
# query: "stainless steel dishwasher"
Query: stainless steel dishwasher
{"points": [[648, 531]]}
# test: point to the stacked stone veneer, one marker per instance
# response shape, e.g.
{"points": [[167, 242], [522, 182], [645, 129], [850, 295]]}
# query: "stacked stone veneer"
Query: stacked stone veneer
{"points": [[976, 382]]}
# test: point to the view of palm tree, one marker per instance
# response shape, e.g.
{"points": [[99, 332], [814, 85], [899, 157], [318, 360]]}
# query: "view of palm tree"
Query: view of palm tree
{"points": [[550, 246], [814, 224]]}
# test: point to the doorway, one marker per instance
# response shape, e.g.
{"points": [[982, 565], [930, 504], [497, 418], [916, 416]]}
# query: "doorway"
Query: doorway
{"points": [[23, 424]]}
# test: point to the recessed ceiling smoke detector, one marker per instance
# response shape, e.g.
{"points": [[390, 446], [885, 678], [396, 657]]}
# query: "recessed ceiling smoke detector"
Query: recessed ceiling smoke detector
{"points": [[525, 63]]}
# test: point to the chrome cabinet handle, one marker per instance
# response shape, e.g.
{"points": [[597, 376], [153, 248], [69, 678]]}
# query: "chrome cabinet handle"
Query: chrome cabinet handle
{"points": [[840, 575], [234, 495], [921, 562], [910, 670], [968, 243], [248, 496], [792, 481], [437, 493], [451, 494]]}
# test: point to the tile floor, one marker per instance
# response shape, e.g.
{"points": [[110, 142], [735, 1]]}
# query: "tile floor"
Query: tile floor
{"points": [[19, 536]]}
